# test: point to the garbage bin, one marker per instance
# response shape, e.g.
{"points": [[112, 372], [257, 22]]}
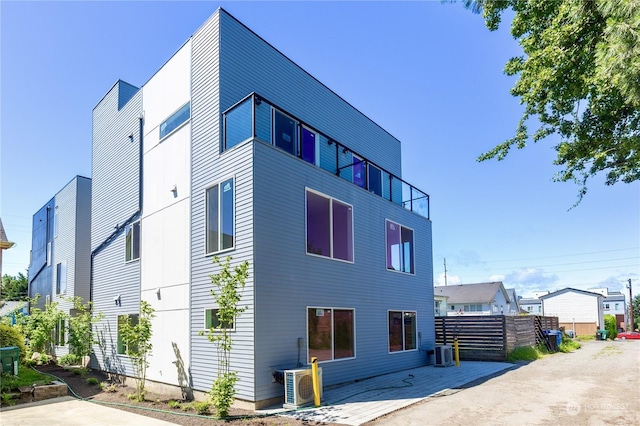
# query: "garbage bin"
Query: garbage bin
{"points": [[551, 340], [10, 358], [601, 335], [558, 335]]}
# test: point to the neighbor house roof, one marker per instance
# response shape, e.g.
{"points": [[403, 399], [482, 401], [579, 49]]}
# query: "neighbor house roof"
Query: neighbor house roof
{"points": [[530, 302], [471, 293], [4, 241], [569, 289]]}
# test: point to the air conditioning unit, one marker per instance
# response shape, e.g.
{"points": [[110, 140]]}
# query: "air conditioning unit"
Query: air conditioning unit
{"points": [[444, 356], [298, 387]]}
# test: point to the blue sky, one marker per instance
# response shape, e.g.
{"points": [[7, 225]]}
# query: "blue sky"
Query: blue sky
{"points": [[429, 73]]}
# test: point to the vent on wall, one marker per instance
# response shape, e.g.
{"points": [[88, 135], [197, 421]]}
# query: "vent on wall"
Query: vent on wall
{"points": [[298, 387]]}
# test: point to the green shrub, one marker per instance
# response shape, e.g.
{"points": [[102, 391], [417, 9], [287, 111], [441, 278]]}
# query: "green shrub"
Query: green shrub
{"points": [[524, 353], [611, 326], [173, 404], [11, 336], [568, 345], [82, 371], [108, 387], [69, 359], [201, 407], [92, 381]]}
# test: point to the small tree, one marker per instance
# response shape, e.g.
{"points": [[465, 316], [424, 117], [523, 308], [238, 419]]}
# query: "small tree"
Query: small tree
{"points": [[228, 284], [611, 326], [38, 327], [81, 338], [137, 341]]}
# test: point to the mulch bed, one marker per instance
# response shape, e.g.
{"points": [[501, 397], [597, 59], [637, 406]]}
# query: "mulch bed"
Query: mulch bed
{"points": [[156, 406]]}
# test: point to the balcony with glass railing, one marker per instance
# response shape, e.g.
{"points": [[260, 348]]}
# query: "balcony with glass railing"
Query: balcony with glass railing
{"points": [[254, 117]]}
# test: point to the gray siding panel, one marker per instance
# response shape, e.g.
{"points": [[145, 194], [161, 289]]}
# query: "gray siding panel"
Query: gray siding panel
{"points": [[288, 280], [114, 199], [249, 64], [83, 239]]}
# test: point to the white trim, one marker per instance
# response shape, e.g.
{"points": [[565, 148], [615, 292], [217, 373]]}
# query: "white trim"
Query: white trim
{"points": [[413, 247], [402, 312], [206, 189], [333, 308], [331, 199]]}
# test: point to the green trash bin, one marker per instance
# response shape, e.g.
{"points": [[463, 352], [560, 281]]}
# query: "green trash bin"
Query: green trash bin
{"points": [[601, 335], [10, 358]]}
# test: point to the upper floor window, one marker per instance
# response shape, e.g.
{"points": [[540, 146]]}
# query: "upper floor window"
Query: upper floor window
{"points": [[56, 224], [402, 331], [220, 230], [329, 227], [61, 278], [175, 120], [399, 248], [132, 242], [331, 333]]}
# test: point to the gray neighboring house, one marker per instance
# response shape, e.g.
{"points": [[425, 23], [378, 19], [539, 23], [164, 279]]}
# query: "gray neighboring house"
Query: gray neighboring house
{"points": [[60, 251], [531, 306], [476, 299], [615, 304], [231, 149]]}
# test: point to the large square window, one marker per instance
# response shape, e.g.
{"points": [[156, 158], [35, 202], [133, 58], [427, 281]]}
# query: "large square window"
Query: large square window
{"points": [[400, 255], [402, 331], [329, 227], [220, 232], [331, 333], [132, 242]]}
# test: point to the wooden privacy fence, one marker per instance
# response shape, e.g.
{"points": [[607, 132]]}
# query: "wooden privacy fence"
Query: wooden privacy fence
{"points": [[492, 337]]}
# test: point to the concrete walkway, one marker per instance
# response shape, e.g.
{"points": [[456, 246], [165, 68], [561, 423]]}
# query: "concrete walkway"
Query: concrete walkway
{"points": [[366, 400], [68, 411]]}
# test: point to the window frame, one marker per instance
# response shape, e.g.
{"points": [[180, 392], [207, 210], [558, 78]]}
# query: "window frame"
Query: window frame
{"points": [[233, 327], [296, 131], [316, 144], [137, 224], [219, 222], [60, 333], [178, 126], [331, 227], [120, 345], [333, 336], [412, 268], [415, 331]]}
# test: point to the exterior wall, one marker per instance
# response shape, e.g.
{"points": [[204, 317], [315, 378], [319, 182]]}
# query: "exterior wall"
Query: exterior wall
{"points": [[573, 306], [82, 270], [287, 280], [534, 308], [115, 201], [249, 64], [42, 246], [165, 223]]}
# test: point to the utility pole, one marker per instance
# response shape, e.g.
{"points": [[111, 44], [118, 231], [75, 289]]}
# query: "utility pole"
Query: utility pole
{"points": [[631, 323], [445, 271]]}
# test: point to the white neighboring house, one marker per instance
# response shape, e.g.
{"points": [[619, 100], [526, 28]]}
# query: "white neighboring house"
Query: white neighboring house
{"points": [[577, 310], [475, 299], [531, 306], [513, 306], [614, 304]]}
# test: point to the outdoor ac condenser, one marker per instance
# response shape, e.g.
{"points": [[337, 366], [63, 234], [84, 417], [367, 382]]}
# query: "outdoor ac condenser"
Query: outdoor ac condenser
{"points": [[298, 387], [444, 356]]}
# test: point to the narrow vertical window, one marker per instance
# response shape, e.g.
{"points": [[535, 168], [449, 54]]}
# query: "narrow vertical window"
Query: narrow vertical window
{"points": [[329, 227], [56, 224], [309, 146], [61, 278], [359, 175], [375, 180], [284, 129], [132, 242], [220, 217], [400, 256]]}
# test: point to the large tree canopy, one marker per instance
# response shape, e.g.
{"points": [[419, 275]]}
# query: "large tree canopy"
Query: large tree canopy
{"points": [[579, 77], [14, 288]]}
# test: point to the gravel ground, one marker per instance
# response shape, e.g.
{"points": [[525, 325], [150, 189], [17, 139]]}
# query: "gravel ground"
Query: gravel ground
{"points": [[597, 384]]}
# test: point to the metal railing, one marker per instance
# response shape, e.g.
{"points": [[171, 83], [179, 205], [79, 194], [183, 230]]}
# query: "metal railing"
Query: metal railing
{"points": [[251, 118]]}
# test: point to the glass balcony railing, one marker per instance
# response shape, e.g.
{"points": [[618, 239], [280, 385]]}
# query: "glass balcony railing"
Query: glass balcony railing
{"points": [[256, 118]]}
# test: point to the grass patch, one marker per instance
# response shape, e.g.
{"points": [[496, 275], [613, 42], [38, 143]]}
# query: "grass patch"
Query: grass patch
{"points": [[524, 353], [26, 377], [585, 338], [173, 404]]}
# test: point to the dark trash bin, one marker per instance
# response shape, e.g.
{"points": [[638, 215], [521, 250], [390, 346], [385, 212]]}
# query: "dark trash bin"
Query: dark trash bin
{"points": [[10, 357], [551, 341]]}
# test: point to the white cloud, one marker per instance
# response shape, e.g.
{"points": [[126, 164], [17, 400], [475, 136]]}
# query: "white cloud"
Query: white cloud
{"points": [[451, 279]]}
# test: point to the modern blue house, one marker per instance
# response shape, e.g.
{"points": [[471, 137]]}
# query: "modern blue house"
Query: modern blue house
{"points": [[231, 149], [60, 248]]}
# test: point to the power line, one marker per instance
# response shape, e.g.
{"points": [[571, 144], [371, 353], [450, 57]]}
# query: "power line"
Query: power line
{"points": [[562, 255]]}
